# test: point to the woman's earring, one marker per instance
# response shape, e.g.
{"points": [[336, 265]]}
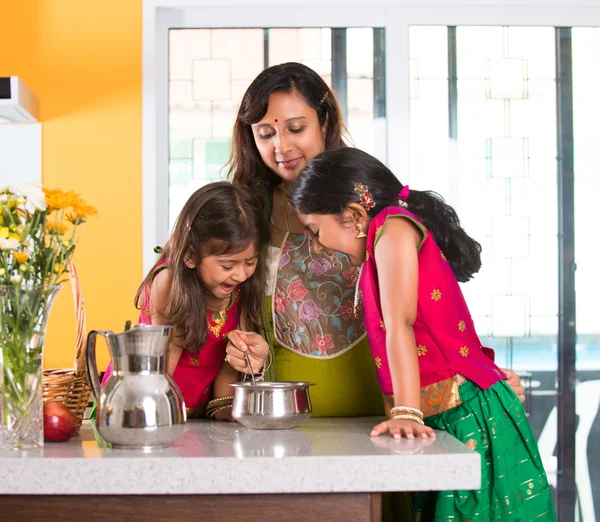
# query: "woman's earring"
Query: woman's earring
{"points": [[360, 233]]}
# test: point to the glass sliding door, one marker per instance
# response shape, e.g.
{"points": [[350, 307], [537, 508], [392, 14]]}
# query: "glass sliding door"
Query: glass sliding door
{"points": [[491, 110]]}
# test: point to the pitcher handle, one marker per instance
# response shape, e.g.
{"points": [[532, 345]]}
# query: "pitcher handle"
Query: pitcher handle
{"points": [[92, 368]]}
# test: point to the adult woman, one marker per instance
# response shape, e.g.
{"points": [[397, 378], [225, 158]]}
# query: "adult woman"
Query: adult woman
{"points": [[287, 116]]}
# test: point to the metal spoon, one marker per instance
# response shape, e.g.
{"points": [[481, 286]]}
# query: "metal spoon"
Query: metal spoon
{"points": [[250, 367]]}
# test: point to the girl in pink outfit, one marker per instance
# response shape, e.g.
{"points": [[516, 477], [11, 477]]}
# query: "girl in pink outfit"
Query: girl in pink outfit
{"points": [[206, 283], [431, 366]]}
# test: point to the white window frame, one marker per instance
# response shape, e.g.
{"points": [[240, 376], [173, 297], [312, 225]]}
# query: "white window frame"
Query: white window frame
{"points": [[396, 16]]}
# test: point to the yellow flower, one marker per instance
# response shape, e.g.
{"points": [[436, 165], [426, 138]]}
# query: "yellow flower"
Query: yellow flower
{"points": [[464, 351], [56, 227], [461, 326], [421, 350], [80, 213], [58, 268], [436, 295], [56, 199], [20, 257]]}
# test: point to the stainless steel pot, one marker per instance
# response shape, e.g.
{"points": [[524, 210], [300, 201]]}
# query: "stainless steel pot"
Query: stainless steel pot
{"points": [[271, 405]]}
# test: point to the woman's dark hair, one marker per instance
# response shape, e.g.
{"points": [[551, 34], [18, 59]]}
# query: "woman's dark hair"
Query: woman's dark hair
{"points": [[218, 219], [326, 186], [245, 164]]}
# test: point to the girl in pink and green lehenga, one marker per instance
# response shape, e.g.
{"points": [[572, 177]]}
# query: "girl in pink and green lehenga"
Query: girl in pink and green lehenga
{"points": [[412, 252]]}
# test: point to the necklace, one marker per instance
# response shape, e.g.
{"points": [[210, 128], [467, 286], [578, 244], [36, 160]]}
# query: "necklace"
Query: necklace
{"points": [[356, 291], [285, 200], [219, 318]]}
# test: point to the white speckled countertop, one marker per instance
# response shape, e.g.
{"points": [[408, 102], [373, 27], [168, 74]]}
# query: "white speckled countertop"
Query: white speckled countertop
{"points": [[319, 456]]}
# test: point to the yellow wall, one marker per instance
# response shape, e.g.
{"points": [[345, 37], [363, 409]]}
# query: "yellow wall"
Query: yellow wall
{"points": [[83, 61]]}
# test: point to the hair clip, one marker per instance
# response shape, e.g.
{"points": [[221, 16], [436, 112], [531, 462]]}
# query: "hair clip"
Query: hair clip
{"points": [[188, 225], [365, 196], [403, 194], [324, 97]]}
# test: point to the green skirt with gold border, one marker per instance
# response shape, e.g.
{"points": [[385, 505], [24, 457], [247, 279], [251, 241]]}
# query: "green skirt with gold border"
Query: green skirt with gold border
{"points": [[513, 481]]}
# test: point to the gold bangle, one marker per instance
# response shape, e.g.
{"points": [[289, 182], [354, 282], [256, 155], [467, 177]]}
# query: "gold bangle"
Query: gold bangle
{"points": [[408, 417], [220, 400], [406, 409], [211, 414], [270, 361], [212, 405]]}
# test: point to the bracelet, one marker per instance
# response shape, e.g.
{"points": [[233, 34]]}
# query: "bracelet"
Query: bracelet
{"points": [[408, 417], [211, 414], [217, 402], [406, 409], [270, 357]]}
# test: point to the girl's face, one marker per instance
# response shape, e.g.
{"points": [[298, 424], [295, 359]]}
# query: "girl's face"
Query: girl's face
{"points": [[289, 135], [336, 233], [221, 274]]}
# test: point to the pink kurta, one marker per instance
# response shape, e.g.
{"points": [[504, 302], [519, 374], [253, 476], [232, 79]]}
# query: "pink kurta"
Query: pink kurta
{"points": [[196, 372], [445, 336]]}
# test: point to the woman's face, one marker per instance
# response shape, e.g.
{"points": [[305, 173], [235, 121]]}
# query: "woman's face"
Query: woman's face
{"points": [[289, 135]]}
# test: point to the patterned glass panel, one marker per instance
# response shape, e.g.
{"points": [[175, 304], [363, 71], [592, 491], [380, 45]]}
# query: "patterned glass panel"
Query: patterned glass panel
{"points": [[586, 114], [500, 175], [209, 71]]}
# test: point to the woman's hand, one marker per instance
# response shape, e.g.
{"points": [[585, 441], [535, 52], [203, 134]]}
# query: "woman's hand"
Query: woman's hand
{"points": [[514, 381], [240, 342], [399, 428]]}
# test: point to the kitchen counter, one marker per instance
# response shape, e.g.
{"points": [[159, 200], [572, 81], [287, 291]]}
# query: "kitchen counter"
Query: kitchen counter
{"points": [[322, 456]]}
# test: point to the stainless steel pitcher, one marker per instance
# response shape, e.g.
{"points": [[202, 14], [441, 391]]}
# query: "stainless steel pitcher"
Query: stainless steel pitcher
{"points": [[140, 405]]}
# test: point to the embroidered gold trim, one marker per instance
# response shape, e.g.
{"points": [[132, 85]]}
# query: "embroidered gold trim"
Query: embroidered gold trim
{"points": [[436, 295], [464, 351], [219, 318], [378, 362], [439, 397], [421, 350], [461, 326]]}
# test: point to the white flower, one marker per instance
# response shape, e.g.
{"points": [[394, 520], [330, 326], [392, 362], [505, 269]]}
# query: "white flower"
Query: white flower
{"points": [[16, 279], [33, 194], [3, 198], [8, 244]]}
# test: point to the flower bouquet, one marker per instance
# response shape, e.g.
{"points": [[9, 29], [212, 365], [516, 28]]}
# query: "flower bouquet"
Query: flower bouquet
{"points": [[38, 235]]}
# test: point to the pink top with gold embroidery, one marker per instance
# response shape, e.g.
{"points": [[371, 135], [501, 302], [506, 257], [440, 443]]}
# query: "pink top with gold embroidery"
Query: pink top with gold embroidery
{"points": [[196, 372], [445, 336]]}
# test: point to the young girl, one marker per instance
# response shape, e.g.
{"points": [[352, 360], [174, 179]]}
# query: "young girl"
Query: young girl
{"points": [[429, 359], [206, 283]]}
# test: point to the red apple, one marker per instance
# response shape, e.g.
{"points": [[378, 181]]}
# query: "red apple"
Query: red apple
{"points": [[59, 422]]}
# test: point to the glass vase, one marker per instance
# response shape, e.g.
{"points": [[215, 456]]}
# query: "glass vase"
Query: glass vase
{"points": [[23, 317]]}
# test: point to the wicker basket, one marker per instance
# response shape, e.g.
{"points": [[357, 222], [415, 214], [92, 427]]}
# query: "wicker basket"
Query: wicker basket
{"points": [[70, 386]]}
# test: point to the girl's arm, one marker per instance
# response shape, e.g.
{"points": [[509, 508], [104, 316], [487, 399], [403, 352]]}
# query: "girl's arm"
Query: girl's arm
{"points": [[397, 267], [159, 294]]}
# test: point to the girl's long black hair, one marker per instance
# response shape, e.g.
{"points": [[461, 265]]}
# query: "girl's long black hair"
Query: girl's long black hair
{"points": [[326, 186]]}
